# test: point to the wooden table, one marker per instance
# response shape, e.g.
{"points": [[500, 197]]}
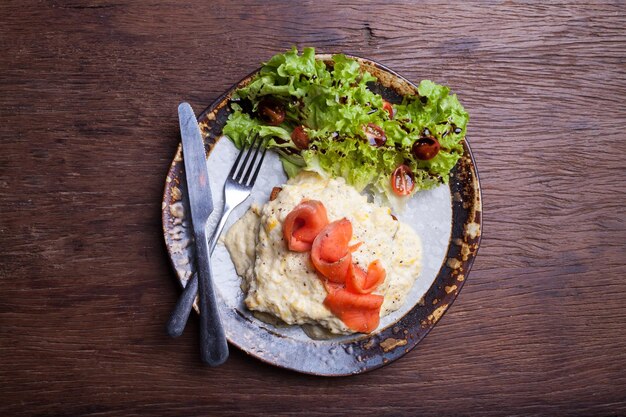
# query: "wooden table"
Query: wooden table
{"points": [[88, 97]]}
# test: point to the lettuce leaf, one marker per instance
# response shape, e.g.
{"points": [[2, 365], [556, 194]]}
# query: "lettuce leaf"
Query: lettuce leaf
{"points": [[240, 128]]}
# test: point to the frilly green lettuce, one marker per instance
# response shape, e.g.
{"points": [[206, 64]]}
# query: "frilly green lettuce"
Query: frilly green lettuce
{"points": [[334, 103]]}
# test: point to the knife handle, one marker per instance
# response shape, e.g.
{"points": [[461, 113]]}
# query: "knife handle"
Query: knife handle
{"points": [[213, 344]]}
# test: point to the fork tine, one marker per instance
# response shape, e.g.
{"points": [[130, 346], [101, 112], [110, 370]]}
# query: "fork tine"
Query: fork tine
{"points": [[233, 170], [246, 178], [258, 168], [245, 160]]}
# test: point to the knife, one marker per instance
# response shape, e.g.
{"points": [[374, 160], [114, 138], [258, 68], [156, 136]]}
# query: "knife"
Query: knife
{"points": [[213, 345]]}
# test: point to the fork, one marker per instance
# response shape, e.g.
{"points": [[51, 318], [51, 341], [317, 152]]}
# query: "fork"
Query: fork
{"points": [[237, 189]]}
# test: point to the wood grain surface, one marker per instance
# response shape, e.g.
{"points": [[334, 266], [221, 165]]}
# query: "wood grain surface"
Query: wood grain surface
{"points": [[88, 96]]}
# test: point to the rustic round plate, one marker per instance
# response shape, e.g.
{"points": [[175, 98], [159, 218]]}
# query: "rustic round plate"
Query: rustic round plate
{"points": [[451, 237]]}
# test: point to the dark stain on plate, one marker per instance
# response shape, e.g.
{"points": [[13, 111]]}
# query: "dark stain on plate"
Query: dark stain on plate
{"points": [[364, 352]]}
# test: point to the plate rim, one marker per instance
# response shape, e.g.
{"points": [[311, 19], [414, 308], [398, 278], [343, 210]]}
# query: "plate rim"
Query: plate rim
{"points": [[459, 266]]}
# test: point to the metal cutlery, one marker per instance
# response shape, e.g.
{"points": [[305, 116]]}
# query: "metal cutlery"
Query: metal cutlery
{"points": [[237, 189], [213, 344]]}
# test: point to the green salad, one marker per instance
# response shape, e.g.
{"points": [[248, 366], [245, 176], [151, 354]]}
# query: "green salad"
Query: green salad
{"points": [[323, 117]]}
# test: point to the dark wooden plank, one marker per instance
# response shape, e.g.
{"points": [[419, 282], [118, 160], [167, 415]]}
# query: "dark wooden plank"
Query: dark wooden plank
{"points": [[88, 94]]}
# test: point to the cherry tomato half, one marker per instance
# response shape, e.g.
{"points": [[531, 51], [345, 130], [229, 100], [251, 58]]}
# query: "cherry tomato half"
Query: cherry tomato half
{"points": [[375, 135], [300, 138], [388, 108], [271, 112], [402, 180], [425, 148]]}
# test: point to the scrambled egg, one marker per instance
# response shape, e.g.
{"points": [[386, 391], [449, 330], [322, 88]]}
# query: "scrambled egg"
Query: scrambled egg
{"points": [[285, 284]]}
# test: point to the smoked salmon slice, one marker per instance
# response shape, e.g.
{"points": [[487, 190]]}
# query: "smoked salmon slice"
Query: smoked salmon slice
{"points": [[344, 299], [360, 312], [333, 240], [330, 252], [362, 321], [361, 282], [303, 224]]}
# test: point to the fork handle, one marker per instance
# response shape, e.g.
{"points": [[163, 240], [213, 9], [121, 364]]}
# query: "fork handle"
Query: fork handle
{"points": [[178, 319], [213, 345]]}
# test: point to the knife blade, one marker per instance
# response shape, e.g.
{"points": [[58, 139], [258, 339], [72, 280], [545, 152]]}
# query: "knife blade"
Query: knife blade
{"points": [[213, 345]]}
